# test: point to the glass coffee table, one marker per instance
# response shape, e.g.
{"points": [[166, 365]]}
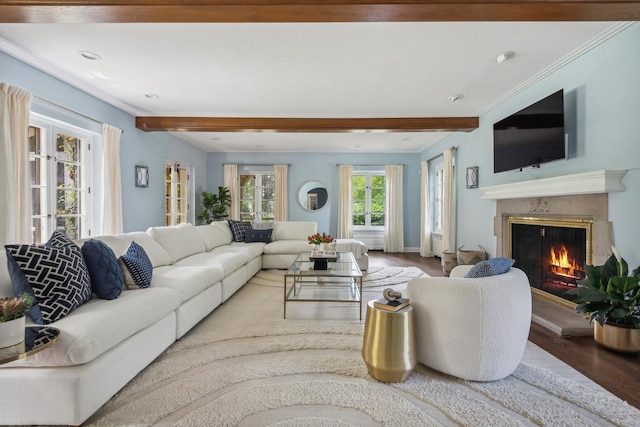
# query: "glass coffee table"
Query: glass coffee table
{"points": [[36, 338], [340, 282]]}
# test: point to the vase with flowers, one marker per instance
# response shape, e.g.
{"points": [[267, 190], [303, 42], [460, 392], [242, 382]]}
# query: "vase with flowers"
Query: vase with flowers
{"points": [[12, 318], [320, 241]]}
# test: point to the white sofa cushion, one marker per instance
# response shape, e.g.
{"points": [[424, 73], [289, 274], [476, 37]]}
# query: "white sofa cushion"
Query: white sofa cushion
{"points": [[289, 247], [220, 257], [179, 241], [215, 234], [98, 325], [119, 243], [293, 230], [189, 281]]}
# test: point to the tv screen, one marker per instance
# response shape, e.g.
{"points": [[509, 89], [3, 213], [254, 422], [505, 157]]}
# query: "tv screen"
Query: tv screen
{"points": [[531, 136]]}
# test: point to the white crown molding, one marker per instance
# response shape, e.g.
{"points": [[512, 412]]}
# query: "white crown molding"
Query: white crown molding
{"points": [[572, 56], [602, 181]]}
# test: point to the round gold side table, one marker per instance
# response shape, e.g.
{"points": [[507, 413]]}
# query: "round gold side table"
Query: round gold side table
{"points": [[388, 347]]}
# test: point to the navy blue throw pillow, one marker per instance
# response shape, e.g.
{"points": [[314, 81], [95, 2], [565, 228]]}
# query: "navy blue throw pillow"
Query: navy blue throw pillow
{"points": [[107, 279], [252, 235], [139, 267], [21, 286], [239, 229], [56, 273]]}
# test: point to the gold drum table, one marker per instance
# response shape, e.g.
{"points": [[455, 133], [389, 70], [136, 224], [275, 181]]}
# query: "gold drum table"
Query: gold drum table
{"points": [[388, 347]]}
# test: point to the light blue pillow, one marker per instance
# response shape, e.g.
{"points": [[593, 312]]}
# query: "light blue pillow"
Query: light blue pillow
{"points": [[138, 265], [491, 267], [107, 279]]}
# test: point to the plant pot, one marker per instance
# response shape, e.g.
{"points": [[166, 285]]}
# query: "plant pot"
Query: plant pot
{"points": [[625, 339], [12, 332]]}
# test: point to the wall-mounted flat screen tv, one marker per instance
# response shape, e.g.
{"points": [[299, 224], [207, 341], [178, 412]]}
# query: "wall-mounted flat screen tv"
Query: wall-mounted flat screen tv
{"points": [[532, 136]]}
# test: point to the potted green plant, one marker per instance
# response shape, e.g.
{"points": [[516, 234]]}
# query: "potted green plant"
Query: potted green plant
{"points": [[611, 299], [215, 205], [12, 318]]}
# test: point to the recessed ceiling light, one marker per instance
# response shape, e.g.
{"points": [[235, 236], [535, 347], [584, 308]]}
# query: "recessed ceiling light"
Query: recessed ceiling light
{"points": [[259, 146], [90, 55], [454, 98], [505, 56], [357, 146], [152, 96]]}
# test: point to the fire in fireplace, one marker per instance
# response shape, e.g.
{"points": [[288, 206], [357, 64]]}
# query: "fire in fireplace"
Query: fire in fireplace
{"points": [[552, 252]]}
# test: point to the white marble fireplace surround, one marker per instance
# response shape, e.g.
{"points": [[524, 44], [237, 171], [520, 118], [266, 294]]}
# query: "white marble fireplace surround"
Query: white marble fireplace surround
{"points": [[578, 196]]}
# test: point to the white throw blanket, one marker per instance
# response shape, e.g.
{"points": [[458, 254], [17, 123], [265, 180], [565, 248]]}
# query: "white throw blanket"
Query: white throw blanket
{"points": [[356, 247]]}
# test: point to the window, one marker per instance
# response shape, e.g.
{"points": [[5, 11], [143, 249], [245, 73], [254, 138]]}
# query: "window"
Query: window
{"points": [[257, 196], [177, 192], [368, 200], [60, 163], [438, 215]]}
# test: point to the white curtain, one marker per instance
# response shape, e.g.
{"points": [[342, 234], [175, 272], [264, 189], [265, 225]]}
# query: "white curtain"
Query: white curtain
{"points": [[282, 203], [425, 212], [231, 182], [111, 181], [345, 220], [393, 224], [449, 211], [15, 185]]}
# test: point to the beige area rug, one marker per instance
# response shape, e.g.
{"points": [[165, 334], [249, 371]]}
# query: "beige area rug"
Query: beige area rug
{"points": [[245, 365]]}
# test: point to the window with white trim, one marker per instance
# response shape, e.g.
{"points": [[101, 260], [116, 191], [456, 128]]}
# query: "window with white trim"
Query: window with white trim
{"points": [[257, 195], [177, 183], [61, 179], [368, 199]]}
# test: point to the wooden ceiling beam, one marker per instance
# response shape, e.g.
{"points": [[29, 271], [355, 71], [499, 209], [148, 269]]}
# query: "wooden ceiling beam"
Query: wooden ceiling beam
{"points": [[236, 11], [309, 125]]}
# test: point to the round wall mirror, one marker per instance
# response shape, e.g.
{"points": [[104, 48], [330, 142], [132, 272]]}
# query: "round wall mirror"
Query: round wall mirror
{"points": [[313, 195]]}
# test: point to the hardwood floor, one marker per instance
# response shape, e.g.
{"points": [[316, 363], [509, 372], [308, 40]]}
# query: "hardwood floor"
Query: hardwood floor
{"points": [[618, 373]]}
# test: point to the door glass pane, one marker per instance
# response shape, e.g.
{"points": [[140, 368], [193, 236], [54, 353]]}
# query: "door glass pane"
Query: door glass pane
{"points": [[67, 148], [67, 175], [35, 141]]}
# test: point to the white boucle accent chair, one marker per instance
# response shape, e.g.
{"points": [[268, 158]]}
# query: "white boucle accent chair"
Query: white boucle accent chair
{"points": [[472, 328]]}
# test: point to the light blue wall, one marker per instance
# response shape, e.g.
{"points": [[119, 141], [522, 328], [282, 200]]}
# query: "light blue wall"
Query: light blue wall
{"points": [[602, 102], [142, 207], [322, 167]]}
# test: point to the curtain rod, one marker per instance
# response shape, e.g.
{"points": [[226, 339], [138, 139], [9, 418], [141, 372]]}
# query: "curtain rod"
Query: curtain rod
{"points": [[368, 166], [453, 148], [70, 111], [257, 164]]}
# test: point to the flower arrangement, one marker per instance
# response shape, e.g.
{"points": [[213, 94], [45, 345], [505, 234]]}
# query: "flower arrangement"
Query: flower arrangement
{"points": [[316, 239], [12, 308]]}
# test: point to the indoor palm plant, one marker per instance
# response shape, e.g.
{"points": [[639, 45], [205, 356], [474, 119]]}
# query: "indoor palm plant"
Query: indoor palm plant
{"points": [[215, 205], [12, 318], [611, 298]]}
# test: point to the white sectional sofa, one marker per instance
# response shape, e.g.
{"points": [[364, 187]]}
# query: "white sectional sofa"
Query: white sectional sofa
{"points": [[105, 343]]}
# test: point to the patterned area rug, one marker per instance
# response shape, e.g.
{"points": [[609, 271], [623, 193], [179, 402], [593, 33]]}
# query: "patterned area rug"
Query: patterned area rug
{"points": [[244, 365], [314, 375]]}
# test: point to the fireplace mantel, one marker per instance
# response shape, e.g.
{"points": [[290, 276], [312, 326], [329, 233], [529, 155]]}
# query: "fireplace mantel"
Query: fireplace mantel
{"points": [[602, 181]]}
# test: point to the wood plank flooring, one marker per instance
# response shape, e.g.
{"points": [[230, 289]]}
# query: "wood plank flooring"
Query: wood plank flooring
{"points": [[619, 373]]}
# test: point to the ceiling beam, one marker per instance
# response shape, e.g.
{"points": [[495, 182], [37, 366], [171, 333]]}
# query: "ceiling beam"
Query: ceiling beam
{"points": [[236, 11], [310, 125]]}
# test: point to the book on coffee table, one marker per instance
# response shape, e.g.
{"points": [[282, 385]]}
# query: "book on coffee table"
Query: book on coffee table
{"points": [[394, 305]]}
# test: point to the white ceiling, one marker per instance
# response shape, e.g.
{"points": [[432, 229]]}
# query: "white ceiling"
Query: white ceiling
{"points": [[352, 70]]}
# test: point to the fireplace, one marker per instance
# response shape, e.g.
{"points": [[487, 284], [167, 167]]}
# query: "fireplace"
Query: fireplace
{"points": [[552, 252]]}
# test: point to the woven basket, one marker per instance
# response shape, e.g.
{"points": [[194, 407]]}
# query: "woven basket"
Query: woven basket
{"points": [[471, 257], [448, 262]]}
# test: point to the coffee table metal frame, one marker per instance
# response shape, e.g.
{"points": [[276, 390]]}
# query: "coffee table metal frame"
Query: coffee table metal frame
{"points": [[340, 282]]}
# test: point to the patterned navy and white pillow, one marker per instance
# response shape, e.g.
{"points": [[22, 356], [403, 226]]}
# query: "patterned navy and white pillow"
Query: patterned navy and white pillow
{"points": [[107, 279], [239, 228], [21, 285], [56, 273], [491, 267], [258, 236], [138, 269]]}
